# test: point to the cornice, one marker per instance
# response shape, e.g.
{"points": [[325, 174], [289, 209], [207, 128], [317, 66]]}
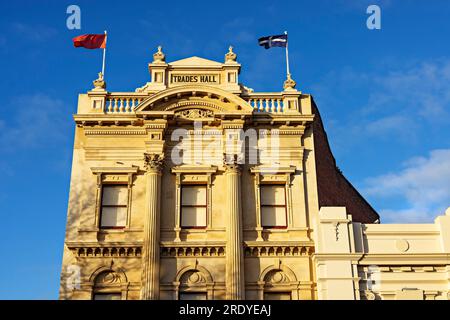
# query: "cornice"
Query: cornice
{"points": [[115, 170], [114, 132]]}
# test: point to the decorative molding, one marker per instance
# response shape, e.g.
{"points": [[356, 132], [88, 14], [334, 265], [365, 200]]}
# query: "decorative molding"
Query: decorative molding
{"points": [[103, 251], [193, 251], [407, 268], [153, 162], [285, 250], [186, 169], [232, 163], [155, 125], [232, 126], [195, 102], [273, 169], [369, 295], [192, 277], [100, 132], [194, 114], [115, 170], [108, 278], [276, 277]]}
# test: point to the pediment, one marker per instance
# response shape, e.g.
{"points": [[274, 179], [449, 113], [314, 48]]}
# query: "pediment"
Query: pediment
{"points": [[205, 101], [195, 62]]}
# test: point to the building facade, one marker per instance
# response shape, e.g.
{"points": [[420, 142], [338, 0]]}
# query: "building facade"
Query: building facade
{"points": [[196, 187]]}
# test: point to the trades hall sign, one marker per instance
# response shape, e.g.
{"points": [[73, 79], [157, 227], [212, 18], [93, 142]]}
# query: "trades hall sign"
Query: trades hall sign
{"points": [[196, 187]]}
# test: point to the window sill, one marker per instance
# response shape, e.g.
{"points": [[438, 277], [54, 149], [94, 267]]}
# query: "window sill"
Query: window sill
{"points": [[112, 230]]}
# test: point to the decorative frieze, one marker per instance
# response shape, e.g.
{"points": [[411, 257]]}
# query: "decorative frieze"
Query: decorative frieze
{"points": [[99, 132], [194, 114], [253, 250], [193, 251], [106, 251]]}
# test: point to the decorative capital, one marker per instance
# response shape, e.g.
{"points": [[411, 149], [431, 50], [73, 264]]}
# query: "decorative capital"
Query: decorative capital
{"points": [[232, 163], [289, 83], [230, 56], [153, 162], [99, 83], [159, 56]]}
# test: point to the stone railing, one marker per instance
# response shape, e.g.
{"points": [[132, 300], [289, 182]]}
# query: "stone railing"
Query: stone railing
{"points": [[127, 102], [265, 102], [123, 103]]}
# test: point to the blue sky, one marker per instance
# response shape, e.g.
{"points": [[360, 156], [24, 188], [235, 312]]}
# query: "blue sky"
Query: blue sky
{"points": [[384, 96]]}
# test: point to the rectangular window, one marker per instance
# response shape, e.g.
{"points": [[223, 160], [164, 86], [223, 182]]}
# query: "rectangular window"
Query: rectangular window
{"points": [[193, 296], [193, 206], [107, 296], [277, 296], [114, 206], [273, 206]]}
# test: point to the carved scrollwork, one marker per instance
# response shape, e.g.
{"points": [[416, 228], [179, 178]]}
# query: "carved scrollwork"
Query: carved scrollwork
{"points": [[276, 277], [194, 114], [370, 295], [193, 277], [153, 162], [107, 278], [232, 162]]}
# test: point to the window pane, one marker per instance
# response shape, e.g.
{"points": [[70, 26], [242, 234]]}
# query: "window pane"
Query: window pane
{"points": [[192, 296], [193, 195], [115, 195], [113, 217], [273, 195], [107, 296], [273, 216], [193, 217], [277, 296]]}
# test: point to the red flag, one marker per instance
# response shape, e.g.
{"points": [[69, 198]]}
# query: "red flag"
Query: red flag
{"points": [[90, 41]]}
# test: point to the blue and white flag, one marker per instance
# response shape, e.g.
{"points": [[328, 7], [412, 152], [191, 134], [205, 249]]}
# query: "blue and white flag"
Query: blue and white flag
{"points": [[273, 41]]}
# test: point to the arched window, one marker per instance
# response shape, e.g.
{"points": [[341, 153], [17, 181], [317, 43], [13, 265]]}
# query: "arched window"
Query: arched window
{"points": [[107, 286], [278, 282], [194, 283], [277, 286]]}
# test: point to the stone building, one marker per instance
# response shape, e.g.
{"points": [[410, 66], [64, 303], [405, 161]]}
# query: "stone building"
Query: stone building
{"points": [[196, 187]]}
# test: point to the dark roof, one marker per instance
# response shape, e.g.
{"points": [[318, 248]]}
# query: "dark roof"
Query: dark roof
{"points": [[333, 187]]}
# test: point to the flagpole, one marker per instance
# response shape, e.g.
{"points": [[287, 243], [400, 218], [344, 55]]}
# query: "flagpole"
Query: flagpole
{"points": [[104, 55], [287, 56]]}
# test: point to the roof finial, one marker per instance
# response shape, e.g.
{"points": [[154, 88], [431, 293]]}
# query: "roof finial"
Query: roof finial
{"points": [[230, 56], [159, 56], [289, 83], [99, 83]]}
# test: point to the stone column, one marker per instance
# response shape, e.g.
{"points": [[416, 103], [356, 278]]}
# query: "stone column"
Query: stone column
{"points": [[234, 253], [150, 268]]}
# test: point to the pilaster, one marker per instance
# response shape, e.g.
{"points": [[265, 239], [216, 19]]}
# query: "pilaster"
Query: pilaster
{"points": [[150, 270], [234, 252]]}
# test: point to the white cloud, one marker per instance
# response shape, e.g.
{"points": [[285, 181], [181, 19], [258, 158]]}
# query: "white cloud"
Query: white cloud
{"points": [[423, 183], [395, 123], [399, 104], [38, 33], [421, 91], [39, 120]]}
